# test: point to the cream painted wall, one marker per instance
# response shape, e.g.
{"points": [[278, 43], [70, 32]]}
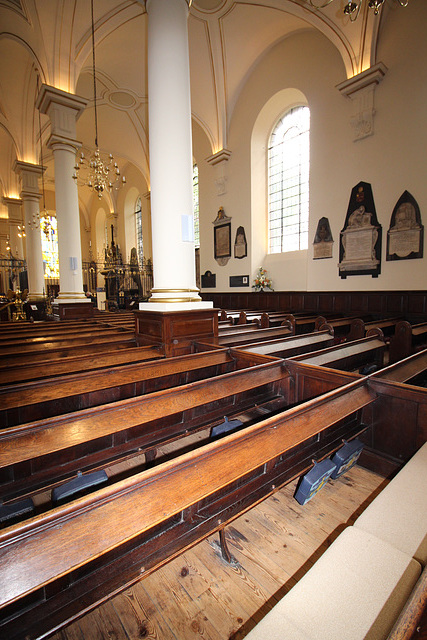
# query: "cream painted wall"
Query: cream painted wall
{"points": [[391, 160]]}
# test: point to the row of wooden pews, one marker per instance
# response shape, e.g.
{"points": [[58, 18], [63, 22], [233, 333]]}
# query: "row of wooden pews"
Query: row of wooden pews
{"points": [[96, 544], [276, 411], [402, 337], [55, 395], [140, 521]]}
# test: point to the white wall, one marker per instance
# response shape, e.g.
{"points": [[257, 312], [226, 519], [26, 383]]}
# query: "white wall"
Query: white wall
{"points": [[391, 160]]}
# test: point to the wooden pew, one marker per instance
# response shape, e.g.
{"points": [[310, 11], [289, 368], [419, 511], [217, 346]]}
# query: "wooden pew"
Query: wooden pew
{"points": [[75, 555], [93, 437], [293, 345], [231, 339], [236, 329], [359, 328], [407, 339], [349, 356], [13, 330], [230, 315], [28, 370], [401, 407], [70, 333], [341, 326], [304, 323], [272, 319], [411, 370], [47, 351], [53, 396]]}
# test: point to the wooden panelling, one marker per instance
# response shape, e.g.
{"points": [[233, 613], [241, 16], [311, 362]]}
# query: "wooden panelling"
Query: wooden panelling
{"points": [[174, 331], [406, 303]]}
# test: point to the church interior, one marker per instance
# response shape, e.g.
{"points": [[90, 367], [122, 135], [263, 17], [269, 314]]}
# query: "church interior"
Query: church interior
{"points": [[213, 319]]}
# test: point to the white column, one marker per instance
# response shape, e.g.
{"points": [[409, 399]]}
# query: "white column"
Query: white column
{"points": [[30, 195], [63, 110], [171, 157], [14, 211]]}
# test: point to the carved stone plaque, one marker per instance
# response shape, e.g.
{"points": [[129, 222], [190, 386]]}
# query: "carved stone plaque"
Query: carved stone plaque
{"points": [[360, 239], [406, 233], [222, 238], [323, 242]]}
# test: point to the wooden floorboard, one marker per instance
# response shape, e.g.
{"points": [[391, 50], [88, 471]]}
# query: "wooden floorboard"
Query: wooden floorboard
{"points": [[199, 595]]}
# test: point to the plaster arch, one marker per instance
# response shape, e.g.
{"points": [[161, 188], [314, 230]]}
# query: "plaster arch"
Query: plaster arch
{"points": [[273, 109], [8, 179]]}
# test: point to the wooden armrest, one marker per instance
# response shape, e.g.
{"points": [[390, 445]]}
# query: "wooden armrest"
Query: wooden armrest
{"points": [[408, 621]]}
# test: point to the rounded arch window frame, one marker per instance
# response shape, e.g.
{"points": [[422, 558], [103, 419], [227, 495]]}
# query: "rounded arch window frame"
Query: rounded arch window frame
{"points": [[302, 235], [267, 117]]}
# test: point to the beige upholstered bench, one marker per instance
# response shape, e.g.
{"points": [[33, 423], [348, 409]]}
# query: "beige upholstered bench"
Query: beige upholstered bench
{"points": [[398, 515], [355, 590], [359, 586]]}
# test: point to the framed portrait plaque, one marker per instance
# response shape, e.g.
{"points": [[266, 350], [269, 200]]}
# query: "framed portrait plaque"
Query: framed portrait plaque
{"points": [[222, 238]]}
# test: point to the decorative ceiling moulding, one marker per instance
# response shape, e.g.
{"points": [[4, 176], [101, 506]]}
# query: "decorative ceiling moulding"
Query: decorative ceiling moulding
{"points": [[122, 99], [360, 89], [15, 5], [208, 6]]}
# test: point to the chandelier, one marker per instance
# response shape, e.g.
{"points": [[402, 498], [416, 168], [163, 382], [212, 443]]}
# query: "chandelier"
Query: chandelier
{"points": [[352, 9], [99, 172]]}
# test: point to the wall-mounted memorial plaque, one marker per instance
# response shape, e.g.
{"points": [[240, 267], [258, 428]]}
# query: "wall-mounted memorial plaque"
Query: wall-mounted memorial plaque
{"points": [[360, 239], [323, 242], [240, 244], [405, 237], [222, 238], [208, 280], [239, 281]]}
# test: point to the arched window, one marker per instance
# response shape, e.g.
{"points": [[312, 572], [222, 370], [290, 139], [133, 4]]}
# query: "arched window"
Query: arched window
{"points": [[288, 181], [49, 235], [196, 206], [138, 229]]}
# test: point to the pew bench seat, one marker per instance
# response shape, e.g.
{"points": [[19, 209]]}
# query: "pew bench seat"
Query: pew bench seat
{"points": [[361, 584], [355, 590], [398, 515]]}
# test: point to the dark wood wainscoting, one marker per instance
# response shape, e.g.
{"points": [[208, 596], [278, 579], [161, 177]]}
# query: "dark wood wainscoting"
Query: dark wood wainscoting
{"points": [[410, 304]]}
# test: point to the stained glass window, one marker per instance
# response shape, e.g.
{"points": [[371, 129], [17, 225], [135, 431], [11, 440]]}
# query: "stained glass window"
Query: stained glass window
{"points": [[49, 234]]}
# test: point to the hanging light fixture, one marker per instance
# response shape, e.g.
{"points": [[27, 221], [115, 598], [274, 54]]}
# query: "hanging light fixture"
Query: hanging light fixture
{"points": [[100, 172], [352, 8]]}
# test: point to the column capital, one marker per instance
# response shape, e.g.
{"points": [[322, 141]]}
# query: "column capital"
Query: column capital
{"points": [[63, 109], [223, 155], [13, 208], [29, 174], [62, 142]]}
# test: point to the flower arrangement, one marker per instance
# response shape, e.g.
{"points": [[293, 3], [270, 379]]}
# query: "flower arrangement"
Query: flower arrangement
{"points": [[261, 281]]}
